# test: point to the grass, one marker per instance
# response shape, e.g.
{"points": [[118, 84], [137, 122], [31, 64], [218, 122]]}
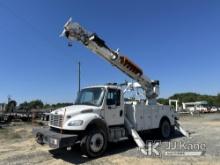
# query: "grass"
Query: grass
{"points": [[9, 134], [3, 131]]}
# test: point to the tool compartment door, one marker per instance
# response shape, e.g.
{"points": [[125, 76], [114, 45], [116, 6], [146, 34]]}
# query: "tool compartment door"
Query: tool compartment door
{"points": [[135, 113], [147, 110], [139, 116]]}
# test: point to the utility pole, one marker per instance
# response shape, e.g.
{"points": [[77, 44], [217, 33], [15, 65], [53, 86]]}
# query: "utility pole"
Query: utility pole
{"points": [[9, 98], [79, 78]]}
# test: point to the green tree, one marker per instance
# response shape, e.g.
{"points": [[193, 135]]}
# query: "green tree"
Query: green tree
{"points": [[47, 106], [11, 106], [192, 97], [60, 105], [217, 101], [24, 106], [163, 101], [36, 104]]}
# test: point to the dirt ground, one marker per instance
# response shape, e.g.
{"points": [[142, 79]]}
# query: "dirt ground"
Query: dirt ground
{"points": [[17, 146]]}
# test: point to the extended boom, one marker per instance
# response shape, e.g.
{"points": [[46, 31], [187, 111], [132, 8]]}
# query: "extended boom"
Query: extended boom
{"points": [[73, 31]]}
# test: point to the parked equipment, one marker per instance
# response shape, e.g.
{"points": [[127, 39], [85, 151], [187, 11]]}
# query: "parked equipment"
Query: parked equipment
{"points": [[100, 113]]}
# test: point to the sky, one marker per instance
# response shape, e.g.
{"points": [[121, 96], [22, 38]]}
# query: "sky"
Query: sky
{"points": [[176, 42]]}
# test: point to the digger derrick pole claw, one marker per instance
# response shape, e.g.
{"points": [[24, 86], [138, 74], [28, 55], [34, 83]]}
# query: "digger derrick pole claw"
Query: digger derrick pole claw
{"points": [[74, 32]]}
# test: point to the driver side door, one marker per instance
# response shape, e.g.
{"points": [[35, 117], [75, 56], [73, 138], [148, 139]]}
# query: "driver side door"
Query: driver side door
{"points": [[114, 113]]}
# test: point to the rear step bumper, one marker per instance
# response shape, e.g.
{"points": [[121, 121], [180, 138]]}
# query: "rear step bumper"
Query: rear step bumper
{"points": [[44, 135]]}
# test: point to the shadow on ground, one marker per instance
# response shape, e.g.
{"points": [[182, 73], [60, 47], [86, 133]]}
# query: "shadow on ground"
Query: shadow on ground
{"points": [[74, 156]]}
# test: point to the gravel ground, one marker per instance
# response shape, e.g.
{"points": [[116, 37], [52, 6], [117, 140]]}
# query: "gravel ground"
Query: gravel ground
{"points": [[17, 146]]}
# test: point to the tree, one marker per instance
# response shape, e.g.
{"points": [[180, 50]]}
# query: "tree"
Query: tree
{"points": [[36, 104], [163, 101], [217, 101], [46, 106], [60, 105], [10, 107], [24, 106], [193, 97]]}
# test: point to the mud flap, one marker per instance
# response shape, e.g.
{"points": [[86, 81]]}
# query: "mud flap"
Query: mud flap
{"points": [[179, 128]]}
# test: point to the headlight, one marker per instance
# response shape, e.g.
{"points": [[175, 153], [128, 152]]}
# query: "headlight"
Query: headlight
{"points": [[75, 123]]}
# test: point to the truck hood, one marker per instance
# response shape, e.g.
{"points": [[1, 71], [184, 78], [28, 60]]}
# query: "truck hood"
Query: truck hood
{"points": [[74, 109]]}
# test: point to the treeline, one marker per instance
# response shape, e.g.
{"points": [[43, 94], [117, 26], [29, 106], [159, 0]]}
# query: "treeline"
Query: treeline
{"points": [[34, 104], [192, 97], [182, 97]]}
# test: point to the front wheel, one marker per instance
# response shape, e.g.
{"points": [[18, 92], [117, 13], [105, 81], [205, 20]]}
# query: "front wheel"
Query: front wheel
{"points": [[94, 143]]}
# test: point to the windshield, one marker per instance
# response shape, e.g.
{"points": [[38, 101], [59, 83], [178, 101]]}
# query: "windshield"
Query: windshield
{"points": [[90, 96]]}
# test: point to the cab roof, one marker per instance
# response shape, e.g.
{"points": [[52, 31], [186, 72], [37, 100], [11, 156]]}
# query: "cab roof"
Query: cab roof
{"points": [[105, 86]]}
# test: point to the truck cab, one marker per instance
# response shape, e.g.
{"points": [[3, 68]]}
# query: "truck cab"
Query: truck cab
{"points": [[103, 102]]}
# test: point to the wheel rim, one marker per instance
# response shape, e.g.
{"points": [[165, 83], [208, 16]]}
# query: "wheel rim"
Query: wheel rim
{"points": [[96, 142], [165, 129]]}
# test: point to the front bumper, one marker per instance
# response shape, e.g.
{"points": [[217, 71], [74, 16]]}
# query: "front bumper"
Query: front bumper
{"points": [[44, 135]]}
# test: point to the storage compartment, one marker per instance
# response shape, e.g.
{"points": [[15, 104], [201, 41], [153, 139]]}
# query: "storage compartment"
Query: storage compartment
{"points": [[135, 114]]}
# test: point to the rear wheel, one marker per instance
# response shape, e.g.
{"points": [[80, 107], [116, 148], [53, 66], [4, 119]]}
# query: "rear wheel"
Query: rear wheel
{"points": [[165, 129], [94, 143]]}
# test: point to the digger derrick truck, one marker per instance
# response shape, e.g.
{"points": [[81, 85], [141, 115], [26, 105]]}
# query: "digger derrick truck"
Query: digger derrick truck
{"points": [[100, 113]]}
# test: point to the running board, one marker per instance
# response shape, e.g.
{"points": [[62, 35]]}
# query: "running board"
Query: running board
{"points": [[179, 128]]}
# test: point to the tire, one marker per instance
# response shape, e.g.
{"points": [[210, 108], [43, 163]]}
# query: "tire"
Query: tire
{"points": [[94, 143], [165, 129], [39, 139], [172, 130]]}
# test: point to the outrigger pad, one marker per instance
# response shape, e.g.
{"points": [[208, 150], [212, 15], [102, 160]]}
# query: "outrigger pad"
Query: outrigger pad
{"points": [[179, 128]]}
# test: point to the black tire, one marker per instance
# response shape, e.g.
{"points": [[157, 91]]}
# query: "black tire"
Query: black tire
{"points": [[39, 139], [94, 143], [173, 130], [165, 129]]}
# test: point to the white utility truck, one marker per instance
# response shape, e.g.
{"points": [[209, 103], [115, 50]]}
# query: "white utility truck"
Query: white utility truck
{"points": [[101, 114]]}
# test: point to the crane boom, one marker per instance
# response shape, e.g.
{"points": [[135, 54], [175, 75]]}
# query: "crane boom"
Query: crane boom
{"points": [[75, 32]]}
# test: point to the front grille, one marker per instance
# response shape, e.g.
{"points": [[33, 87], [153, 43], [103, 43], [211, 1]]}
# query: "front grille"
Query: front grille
{"points": [[56, 120]]}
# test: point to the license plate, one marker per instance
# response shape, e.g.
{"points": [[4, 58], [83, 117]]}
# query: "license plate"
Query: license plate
{"points": [[53, 141]]}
